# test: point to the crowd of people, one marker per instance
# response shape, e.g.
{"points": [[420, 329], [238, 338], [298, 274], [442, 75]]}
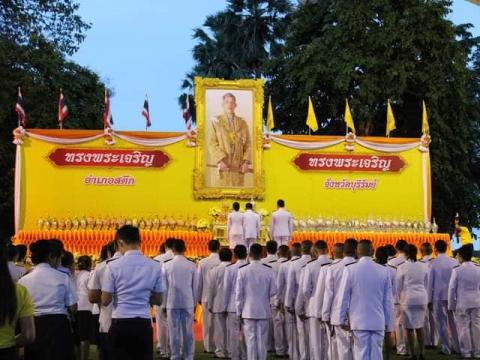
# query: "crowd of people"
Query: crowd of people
{"points": [[306, 301]]}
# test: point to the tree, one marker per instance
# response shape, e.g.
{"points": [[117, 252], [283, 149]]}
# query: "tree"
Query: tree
{"points": [[32, 55], [370, 51]]}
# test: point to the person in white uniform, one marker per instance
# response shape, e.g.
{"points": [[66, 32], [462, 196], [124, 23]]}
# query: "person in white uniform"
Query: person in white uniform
{"points": [[400, 333], [412, 283], [83, 317], [236, 340], [271, 260], [16, 272], [235, 227], [429, 329], [251, 225], [342, 348], [216, 303], [318, 341], [181, 281], [464, 300], [281, 224], [440, 274], [255, 289], [204, 266], [279, 329], [161, 311], [53, 298], [365, 295], [133, 282], [299, 349]]}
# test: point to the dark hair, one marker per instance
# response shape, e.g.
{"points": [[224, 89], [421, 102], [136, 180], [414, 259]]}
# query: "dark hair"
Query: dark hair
{"points": [[364, 245], [8, 300], [40, 250], [128, 234], [381, 255], [248, 206], [112, 247], [283, 250], [256, 250], [104, 253], [22, 252], [400, 245], [321, 245], [162, 248], [67, 259], [296, 249], [179, 246], [11, 253], [306, 246], [427, 248], [390, 249], [280, 203], [240, 252], [169, 243], [225, 254], [57, 248], [441, 246], [271, 247], [236, 206], [350, 247], [213, 245], [466, 252], [84, 263], [411, 252]]}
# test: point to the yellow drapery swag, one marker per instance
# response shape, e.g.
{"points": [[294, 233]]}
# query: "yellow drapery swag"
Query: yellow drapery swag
{"points": [[425, 126], [270, 121], [390, 119], [348, 117], [311, 118]]}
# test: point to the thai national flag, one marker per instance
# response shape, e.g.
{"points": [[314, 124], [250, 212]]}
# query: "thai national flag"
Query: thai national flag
{"points": [[187, 115], [22, 115], [146, 112], [107, 114], [62, 109]]}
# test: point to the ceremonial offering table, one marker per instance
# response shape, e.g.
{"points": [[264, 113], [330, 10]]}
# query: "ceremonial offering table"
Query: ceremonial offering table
{"points": [[90, 242]]}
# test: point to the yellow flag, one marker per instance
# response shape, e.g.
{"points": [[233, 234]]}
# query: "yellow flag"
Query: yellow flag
{"points": [[270, 122], [390, 119], [425, 127], [348, 117], [311, 118]]}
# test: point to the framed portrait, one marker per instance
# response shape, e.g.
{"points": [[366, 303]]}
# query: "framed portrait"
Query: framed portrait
{"points": [[228, 160]]}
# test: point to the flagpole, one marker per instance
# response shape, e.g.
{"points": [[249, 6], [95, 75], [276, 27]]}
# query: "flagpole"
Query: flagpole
{"points": [[146, 122], [18, 115]]}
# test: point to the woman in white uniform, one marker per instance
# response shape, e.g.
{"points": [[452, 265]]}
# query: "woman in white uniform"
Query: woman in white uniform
{"points": [[412, 282]]}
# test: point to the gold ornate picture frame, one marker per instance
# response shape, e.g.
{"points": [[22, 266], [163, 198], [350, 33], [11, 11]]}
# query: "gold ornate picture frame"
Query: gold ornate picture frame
{"points": [[242, 131]]}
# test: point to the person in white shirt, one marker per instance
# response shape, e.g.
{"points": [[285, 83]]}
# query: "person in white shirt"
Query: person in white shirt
{"points": [[279, 330], [216, 303], [133, 282], [440, 274], [161, 311], [281, 224], [235, 227], [365, 295], [53, 298], [255, 289], [271, 260], [429, 329], [16, 272], [251, 225], [181, 282], [464, 300], [412, 283], [400, 340], [236, 340], [204, 266], [293, 281], [83, 317]]}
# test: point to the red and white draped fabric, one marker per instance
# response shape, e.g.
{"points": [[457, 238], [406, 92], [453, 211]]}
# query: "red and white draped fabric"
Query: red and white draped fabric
{"points": [[62, 109], [146, 113], [187, 115], [107, 114], [20, 110]]}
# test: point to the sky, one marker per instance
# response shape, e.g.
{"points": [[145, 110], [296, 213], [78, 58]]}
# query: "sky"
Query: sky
{"points": [[144, 47]]}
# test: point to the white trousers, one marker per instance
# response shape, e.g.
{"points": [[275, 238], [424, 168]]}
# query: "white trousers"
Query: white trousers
{"points": [[281, 240], [468, 323], [236, 339], [429, 329], [249, 242], [344, 343], [235, 240], [446, 328], [292, 335], [180, 327], [318, 341], [256, 334], [303, 343], [162, 332], [207, 328], [400, 334], [367, 345], [220, 334], [281, 347]]}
